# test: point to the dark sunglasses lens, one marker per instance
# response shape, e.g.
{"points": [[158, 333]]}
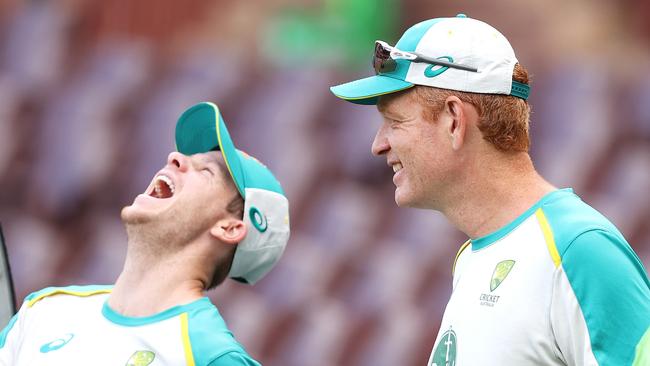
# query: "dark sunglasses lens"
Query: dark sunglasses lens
{"points": [[381, 61]]}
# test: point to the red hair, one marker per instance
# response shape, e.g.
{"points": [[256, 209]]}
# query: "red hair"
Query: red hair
{"points": [[503, 119]]}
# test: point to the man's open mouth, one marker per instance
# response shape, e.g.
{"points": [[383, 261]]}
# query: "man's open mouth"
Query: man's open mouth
{"points": [[163, 187]]}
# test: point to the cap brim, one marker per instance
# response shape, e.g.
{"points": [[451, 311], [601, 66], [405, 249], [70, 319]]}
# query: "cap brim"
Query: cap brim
{"points": [[201, 129], [367, 91]]}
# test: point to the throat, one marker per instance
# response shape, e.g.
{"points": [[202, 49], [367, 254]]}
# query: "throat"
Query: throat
{"points": [[485, 212], [142, 293]]}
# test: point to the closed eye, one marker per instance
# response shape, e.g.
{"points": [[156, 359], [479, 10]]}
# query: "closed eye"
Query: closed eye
{"points": [[207, 170]]}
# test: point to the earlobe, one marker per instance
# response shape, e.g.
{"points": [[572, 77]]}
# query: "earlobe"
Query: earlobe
{"points": [[229, 231]]}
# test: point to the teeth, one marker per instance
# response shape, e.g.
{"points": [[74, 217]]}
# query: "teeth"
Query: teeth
{"points": [[397, 167], [167, 181]]}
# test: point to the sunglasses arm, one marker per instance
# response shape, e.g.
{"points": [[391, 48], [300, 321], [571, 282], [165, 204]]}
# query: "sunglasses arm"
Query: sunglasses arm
{"points": [[413, 57]]}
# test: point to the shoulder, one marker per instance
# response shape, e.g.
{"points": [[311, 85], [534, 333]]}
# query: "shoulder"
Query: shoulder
{"points": [[587, 245], [74, 291], [209, 336], [567, 217], [30, 313]]}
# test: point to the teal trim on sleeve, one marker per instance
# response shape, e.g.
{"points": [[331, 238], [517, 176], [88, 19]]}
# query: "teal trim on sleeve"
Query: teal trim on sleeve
{"points": [[612, 289], [484, 241], [607, 278], [211, 339], [234, 359], [5, 332], [128, 321]]}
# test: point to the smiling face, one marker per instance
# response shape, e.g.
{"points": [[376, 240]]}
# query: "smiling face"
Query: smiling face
{"points": [[419, 151], [184, 199]]}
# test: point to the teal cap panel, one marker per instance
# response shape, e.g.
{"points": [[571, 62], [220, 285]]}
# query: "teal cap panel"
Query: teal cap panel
{"points": [[201, 128], [196, 130], [367, 91], [409, 42], [257, 175]]}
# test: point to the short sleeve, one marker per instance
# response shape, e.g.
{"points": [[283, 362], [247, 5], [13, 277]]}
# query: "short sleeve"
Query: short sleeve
{"points": [[601, 300], [234, 359]]}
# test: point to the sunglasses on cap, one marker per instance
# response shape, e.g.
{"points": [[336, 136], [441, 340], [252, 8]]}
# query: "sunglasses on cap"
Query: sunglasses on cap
{"points": [[385, 55]]}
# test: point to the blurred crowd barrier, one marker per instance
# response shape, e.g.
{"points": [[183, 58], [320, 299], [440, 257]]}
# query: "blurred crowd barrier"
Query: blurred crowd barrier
{"points": [[90, 93]]}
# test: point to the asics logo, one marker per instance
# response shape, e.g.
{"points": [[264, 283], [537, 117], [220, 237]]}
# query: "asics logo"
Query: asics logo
{"points": [[57, 343]]}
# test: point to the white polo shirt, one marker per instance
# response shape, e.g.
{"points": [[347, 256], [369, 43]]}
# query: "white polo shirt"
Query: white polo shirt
{"points": [[557, 286]]}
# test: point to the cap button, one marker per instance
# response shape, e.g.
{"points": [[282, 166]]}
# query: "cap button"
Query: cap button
{"points": [[461, 15]]}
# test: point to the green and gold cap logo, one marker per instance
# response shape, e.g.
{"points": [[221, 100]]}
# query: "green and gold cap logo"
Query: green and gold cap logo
{"points": [[141, 358], [500, 272]]}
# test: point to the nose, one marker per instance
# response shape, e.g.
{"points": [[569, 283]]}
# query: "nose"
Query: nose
{"points": [[180, 161], [380, 144]]}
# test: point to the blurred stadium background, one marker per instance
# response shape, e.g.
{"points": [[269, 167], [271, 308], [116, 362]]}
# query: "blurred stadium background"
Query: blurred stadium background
{"points": [[89, 96]]}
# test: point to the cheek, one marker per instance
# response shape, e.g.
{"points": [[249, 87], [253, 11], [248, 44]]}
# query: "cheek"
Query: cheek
{"points": [[202, 204]]}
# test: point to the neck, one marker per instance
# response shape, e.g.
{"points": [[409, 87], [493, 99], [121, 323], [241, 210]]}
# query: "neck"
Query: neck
{"points": [[152, 281], [493, 195]]}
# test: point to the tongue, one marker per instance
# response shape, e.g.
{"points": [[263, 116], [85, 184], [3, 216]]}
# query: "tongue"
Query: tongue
{"points": [[161, 190]]}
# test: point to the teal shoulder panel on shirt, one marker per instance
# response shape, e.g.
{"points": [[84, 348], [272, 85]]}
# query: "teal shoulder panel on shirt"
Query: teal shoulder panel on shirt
{"points": [[234, 359], [210, 338], [607, 278], [569, 217]]}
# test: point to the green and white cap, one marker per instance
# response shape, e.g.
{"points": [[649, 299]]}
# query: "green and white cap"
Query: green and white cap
{"points": [[266, 209], [459, 40]]}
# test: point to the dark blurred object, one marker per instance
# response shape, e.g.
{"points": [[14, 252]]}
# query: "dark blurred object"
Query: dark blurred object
{"points": [[7, 297]]}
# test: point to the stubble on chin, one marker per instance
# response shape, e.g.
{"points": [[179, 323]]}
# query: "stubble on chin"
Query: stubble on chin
{"points": [[130, 215], [159, 232]]}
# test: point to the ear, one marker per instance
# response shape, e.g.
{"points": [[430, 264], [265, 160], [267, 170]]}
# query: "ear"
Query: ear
{"points": [[457, 124], [229, 230]]}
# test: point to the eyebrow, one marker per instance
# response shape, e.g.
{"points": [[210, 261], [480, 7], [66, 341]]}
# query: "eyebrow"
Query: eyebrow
{"points": [[384, 108], [386, 112]]}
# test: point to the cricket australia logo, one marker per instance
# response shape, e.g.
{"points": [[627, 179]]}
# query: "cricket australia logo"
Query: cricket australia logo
{"points": [[500, 273], [141, 358], [445, 352]]}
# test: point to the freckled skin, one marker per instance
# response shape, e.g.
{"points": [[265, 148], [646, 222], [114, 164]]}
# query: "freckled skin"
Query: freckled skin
{"points": [[420, 146]]}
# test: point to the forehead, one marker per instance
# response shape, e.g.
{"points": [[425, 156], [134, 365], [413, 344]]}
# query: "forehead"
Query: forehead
{"points": [[396, 103]]}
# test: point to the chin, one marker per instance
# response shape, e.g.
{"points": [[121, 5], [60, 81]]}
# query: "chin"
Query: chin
{"points": [[404, 198], [134, 215]]}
